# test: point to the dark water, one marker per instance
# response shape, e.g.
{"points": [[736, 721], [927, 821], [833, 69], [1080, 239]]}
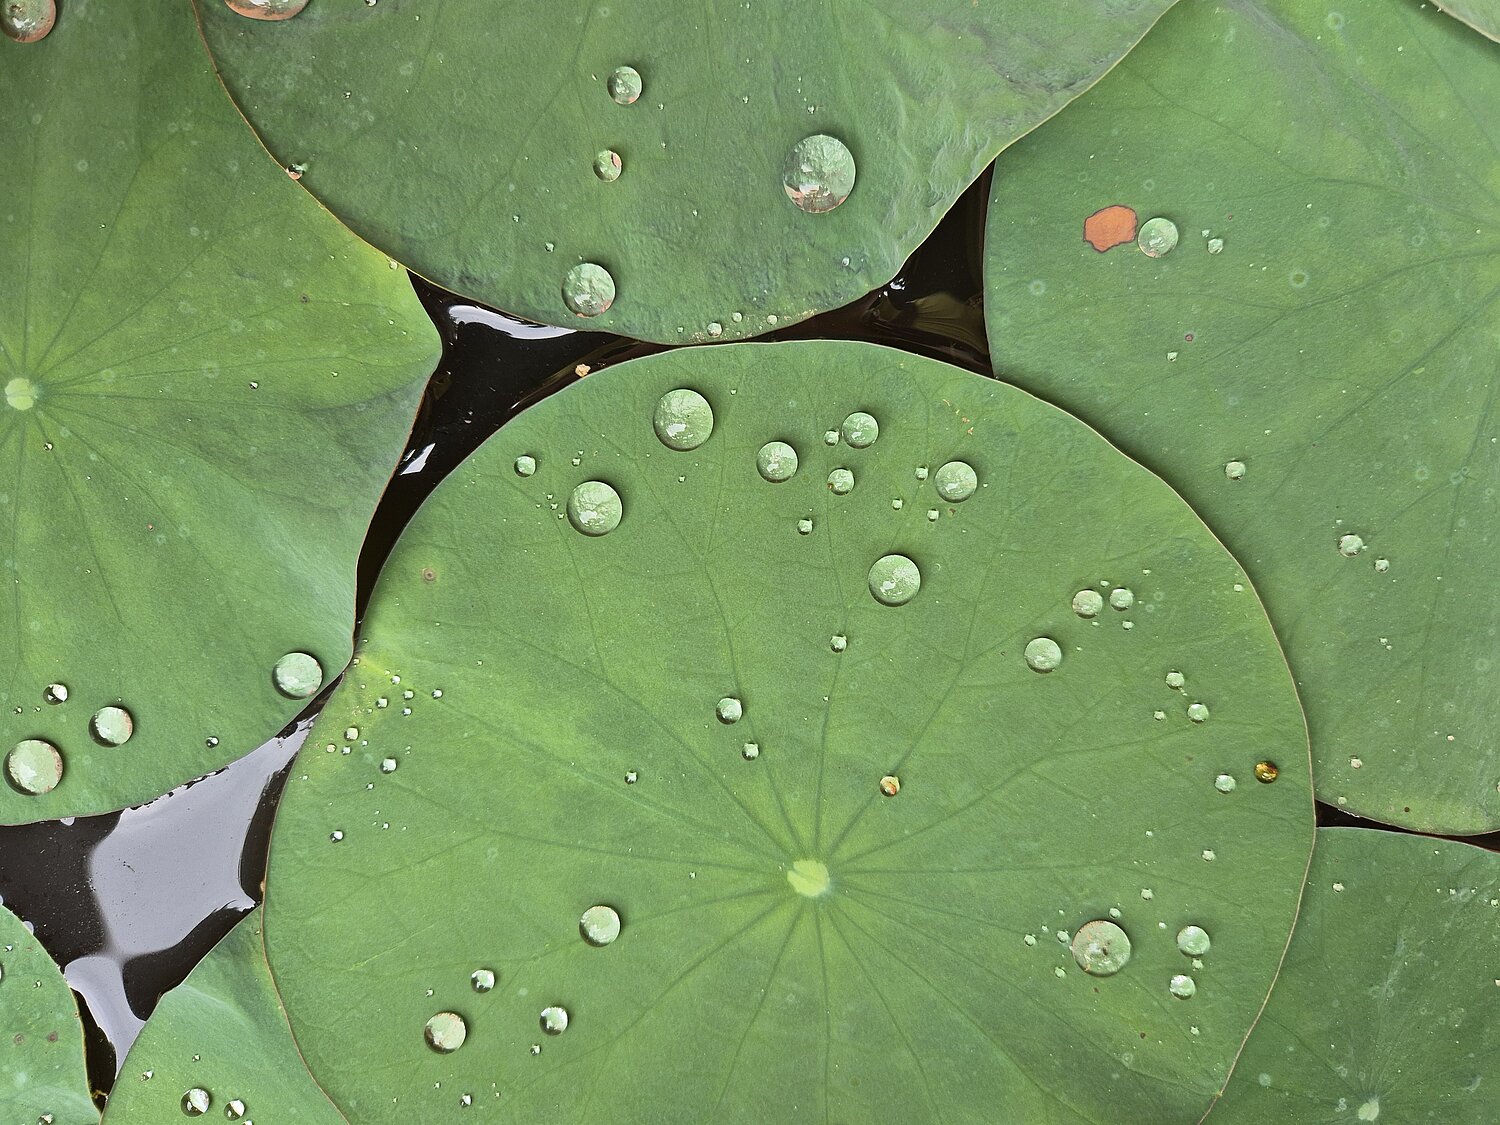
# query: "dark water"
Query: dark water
{"points": [[128, 902]]}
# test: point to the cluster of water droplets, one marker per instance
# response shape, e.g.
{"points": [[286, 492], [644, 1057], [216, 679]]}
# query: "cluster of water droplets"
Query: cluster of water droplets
{"points": [[196, 1101]]}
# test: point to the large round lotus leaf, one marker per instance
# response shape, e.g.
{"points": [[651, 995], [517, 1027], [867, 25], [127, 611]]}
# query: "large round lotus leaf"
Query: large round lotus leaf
{"points": [[1313, 365], [463, 137], [1387, 1007], [1482, 15], [205, 381], [690, 720], [220, 1040], [41, 1039]]}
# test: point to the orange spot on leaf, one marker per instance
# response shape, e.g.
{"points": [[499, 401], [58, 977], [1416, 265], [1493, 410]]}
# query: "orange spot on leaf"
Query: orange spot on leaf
{"points": [[1109, 227]]}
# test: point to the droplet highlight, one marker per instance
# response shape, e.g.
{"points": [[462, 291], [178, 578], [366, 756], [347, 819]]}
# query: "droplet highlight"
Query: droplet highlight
{"points": [[818, 173], [894, 580], [594, 508], [599, 925], [683, 419], [1101, 948]]}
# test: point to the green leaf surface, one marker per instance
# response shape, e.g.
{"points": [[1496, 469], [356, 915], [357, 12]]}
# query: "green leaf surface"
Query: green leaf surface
{"points": [[206, 382], [41, 1038], [1314, 366], [1482, 15], [462, 136], [538, 722], [1387, 1008], [222, 1033]]}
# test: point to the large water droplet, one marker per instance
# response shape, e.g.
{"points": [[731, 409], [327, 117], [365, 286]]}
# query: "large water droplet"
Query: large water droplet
{"points": [[683, 419], [1101, 948], [809, 877], [818, 173], [841, 482], [446, 1032], [894, 580], [1266, 772], [776, 461], [729, 709], [1198, 712], [1043, 654], [1120, 598], [956, 481], [608, 165], [1157, 237], [625, 85], [55, 693], [594, 508], [554, 1020], [34, 767], [195, 1102], [111, 726], [588, 289], [1193, 941], [860, 429], [599, 925], [1235, 470], [26, 21], [1176, 680], [482, 980], [1088, 603], [1182, 986], [266, 9], [298, 675], [1350, 545]]}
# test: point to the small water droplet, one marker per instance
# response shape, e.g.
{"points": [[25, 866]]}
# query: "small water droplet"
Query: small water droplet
{"points": [[1121, 598], [956, 481], [1266, 772], [1088, 603], [1157, 237], [1043, 654], [55, 693], [599, 925], [388, 765], [625, 85], [841, 482], [351, 734], [594, 508], [804, 526], [1100, 947], [1215, 245], [195, 1102], [26, 21], [1182, 986], [729, 710], [234, 1109], [631, 777], [33, 767], [750, 751], [608, 165], [818, 173], [1176, 680], [1235, 470], [932, 515], [860, 430], [894, 580], [482, 980], [839, 642], [1382, 565], [111, 726], [525, 465], [1350, 545], [554, 1020], [446, 1032], [1158, 715], [1197, 712], [683, 419], [776, 461], [297, 675], [890, 785], [336, 836], [210, 742], [1193, 941], [588, 289], [1224, 783]]}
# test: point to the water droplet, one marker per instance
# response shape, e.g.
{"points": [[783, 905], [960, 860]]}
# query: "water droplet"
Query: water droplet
{"points": [[818, 173], [195, 1102], [839, 642], [804, 526], [1088, 603], [1266, 772], [956, 481], [111, 726], [599, 925], [625, 85], [1382, 565], [1182, 986], [335, 836], [890, 785], [894, 580], [683, 419], [1209, 855], [266, 9], [554, 1020], [1158, 715], [860, 430], [1235, 470], [234, 1109], [588, 289], [631, 777], [1176, 680], [1121, 598], [1224, 783], [841, 482], [388, 765], [298, 675], [26, 21], [809, 877], [525, 465], [1101, 948], [1157, 237], [1350, 545], [750, 751], [1193, 941], [608, 165], [594, 508], [1215, 245], [34, 767], [1043, 654], [1197, 712], [351, 734], [446, 1032], [55, 693], [729, 710], [776, 461], [482, 980]]}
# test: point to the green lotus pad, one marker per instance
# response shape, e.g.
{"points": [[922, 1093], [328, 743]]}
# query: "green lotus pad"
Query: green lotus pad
{"points": [[724, 745], [206, 382], [41, 1039], [1313, 364], [218, 1044], [1387, 1008], [495, 147], [1482, 15]]}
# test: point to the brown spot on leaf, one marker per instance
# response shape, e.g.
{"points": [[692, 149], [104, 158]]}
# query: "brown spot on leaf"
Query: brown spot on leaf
{"points": [[1109, 227]]}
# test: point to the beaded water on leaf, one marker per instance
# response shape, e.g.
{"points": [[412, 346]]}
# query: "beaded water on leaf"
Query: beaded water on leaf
{"points": [[818, 173]]}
